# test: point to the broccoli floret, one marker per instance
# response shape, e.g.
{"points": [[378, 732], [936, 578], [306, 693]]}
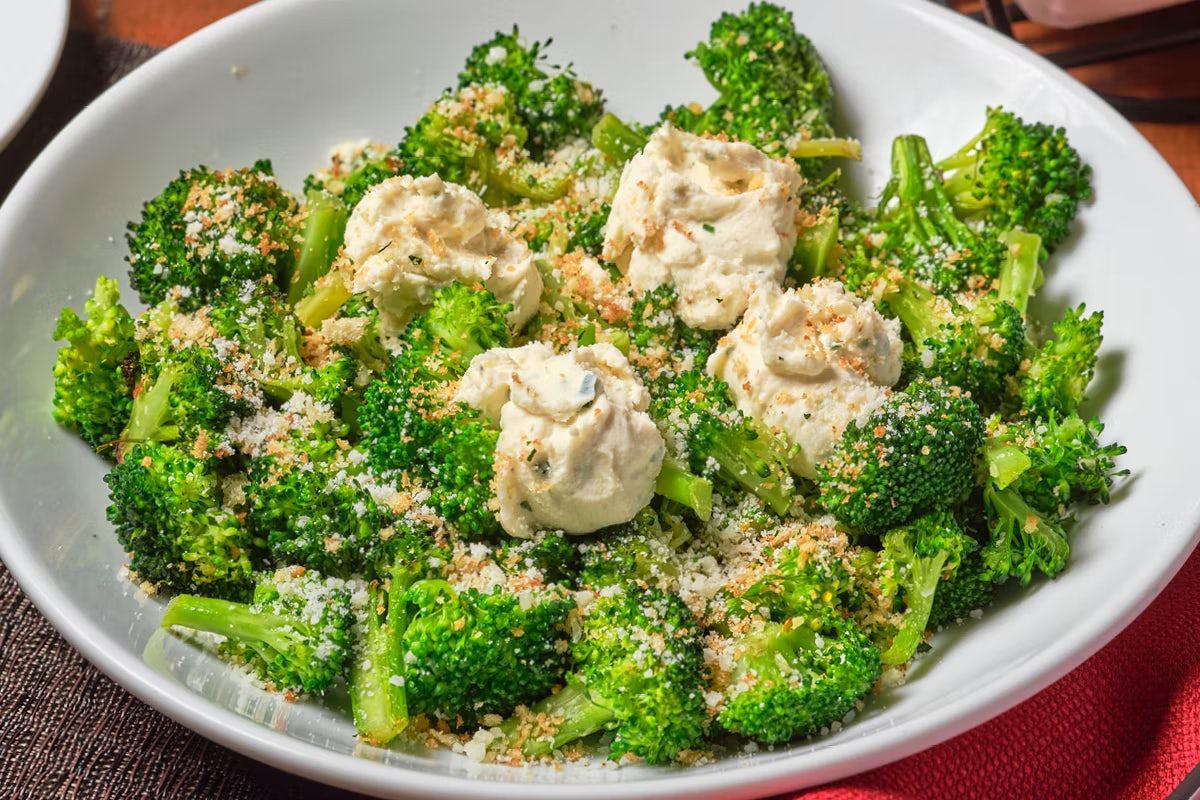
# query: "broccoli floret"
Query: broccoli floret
{"points": [[1015, 174], [794, 679], [95, 370], [553, 553], [971, 589], [1022, 539], [915, 453], [1053, 381], [916, 558], [409, 423], [323, 229], [661, 345], [587, 230], [378, 697], [474, 137], [791, 584], [650, 697], [773, 89], [472, 653], [296, 632], [208, 227], [920, 230], [974, 343], [553, 103], [639, 550], [351, 173], [166, 507]]}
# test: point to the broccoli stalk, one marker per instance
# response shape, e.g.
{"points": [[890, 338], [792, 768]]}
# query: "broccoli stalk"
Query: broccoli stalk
{"points": [[827, 147], [676, 483], [324, 301], [324, 226], [574, 713], [378, 697], [1021, 272], [618, 140]]}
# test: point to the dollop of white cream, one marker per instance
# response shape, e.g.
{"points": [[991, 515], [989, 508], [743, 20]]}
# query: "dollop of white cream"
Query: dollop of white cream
{"points": [[408, 237], [577, 451], [715, 218], [807, 361]]}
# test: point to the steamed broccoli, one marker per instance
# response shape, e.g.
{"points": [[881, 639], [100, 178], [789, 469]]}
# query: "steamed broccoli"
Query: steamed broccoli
{"points": [[409, 423], [553, 103], [797, 678], [472, 653], [1015, 174], [378, 696], [969, 590], [167, 508], [915, 453], [1054, 379], [1022, 539], [324, 227], [208, 227], [353, 171], [639, 674], [296, 632], [639, 550], [95, 370], [552, 553], [916, 558]]}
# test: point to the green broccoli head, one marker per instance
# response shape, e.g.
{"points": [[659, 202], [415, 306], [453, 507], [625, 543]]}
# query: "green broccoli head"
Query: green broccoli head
{"points": [[1015, 174], [915, 453], [1022, 539], [552, 553], [968, 591], [795, 679], [352, 172], [915, 559], [473, 653], [167, 508], [639, 674], [974, 343], [295, 632], [95, 370], [1054, 380], [640, 550], [208, 227], [552, 102], [771, 83]]}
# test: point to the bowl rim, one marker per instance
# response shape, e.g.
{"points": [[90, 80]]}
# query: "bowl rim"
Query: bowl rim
{"points": [[752, 779]]}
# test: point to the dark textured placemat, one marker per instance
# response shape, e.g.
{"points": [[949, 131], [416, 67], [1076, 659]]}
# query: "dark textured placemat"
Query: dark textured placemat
{"points": [[66, 730]]}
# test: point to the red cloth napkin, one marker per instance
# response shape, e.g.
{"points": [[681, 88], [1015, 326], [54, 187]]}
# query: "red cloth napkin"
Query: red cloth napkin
{"points": [[1125, 724]]}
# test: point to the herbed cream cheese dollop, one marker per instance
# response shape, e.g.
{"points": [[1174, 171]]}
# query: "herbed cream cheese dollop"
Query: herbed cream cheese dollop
{"points": [[408, 237], [577, 451], [715, 218], [807, 361]]}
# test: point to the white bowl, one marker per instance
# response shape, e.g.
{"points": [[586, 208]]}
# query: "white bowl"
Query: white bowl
{"points": [[288, 79]]}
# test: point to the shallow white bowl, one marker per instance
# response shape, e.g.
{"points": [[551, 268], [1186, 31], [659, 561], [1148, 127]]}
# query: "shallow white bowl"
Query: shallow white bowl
{"points": [[288, 79]]}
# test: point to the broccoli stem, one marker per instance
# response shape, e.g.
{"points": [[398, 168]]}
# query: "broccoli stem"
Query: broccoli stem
{"points": [[573, 712], [742, 458], [918, 599], [676, 483], [815, 246], [1021, 269], [150, 408], [617, 140], [1005, 463], [915, 306], [322, 303], [502, 186], [924, 204], [377, 693], [324, 228], [827, 148], [230, 619]]}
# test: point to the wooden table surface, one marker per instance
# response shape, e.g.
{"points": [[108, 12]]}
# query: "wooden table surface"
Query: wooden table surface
{"points": [[1174, 72]]}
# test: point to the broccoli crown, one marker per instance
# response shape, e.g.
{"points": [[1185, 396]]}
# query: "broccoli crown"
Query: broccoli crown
{"points": [[1015, 174], [552, 102], [553, 553], [587, 229], [296, 631], [166, 507], [472, 653], [917, 228], [639, 656], [791, 681], [95, 370], [208, 227], [915, 453], [1054, 380], [974, 344], [771, 83], [661, 345], [409, 422], [1021, 538], [915, 558], [639, 550], [794, 584], [970, 589], [351, 174]]}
